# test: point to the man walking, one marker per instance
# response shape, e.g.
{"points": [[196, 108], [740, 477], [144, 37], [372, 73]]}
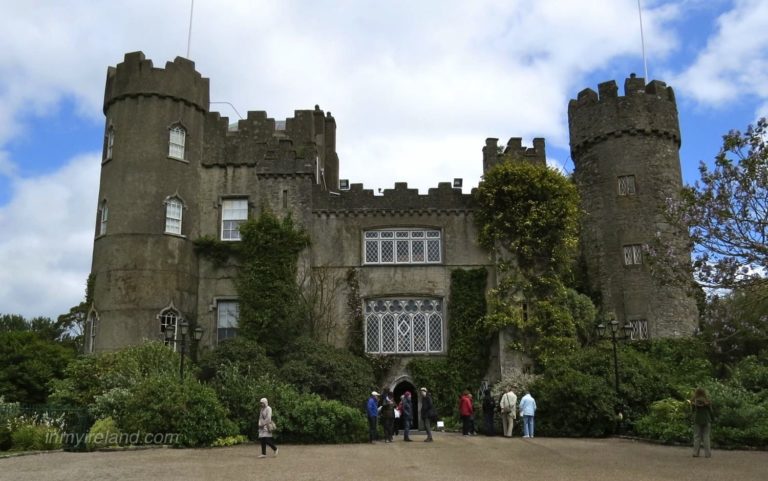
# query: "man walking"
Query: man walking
{"points": [[508, 404], [527, 411]]}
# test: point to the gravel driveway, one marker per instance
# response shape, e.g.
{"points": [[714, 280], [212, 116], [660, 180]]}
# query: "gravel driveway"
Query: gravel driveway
{"points": [[450, 457]]}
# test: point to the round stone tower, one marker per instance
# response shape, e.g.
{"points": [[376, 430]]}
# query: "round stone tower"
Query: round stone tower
{"points": [[627, 167], [144, 262]]}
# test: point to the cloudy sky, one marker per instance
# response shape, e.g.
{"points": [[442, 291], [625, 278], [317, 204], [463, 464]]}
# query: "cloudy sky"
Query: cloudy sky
{"points": [[415, 86]]}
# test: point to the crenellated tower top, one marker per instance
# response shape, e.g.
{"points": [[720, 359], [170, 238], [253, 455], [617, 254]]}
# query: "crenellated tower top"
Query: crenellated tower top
{"points": [[643, 110], [136, 77]]}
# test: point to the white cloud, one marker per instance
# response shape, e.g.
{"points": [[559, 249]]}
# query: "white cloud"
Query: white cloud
{"points": [[48, 236], [734, 63]]}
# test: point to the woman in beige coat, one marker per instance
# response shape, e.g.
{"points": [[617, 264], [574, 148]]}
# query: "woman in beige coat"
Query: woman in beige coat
{"points": [[266, 426]]}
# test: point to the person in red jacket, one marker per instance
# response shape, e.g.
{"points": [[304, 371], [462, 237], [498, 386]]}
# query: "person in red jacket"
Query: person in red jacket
{"points": [[467, 412]]}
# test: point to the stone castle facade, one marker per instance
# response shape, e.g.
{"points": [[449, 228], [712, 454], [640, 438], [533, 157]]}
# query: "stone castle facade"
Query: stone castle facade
{"points": [[173, 172]]}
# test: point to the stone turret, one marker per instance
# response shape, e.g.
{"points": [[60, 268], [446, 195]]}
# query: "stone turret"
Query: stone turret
{"points": [[141, 265], [627, 166]]}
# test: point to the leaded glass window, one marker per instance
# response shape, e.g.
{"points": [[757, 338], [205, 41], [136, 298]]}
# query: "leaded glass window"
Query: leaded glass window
{"points": [[639, 329], [404, 326], [233, 213], [227, 318], [633, 254], [627, 185], [402, 246]]}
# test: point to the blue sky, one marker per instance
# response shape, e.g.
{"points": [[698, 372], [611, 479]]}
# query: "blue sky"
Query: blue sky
{"points": [[415, 88]]}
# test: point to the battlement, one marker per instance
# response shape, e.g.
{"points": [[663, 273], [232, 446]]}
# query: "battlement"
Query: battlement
{"points": [[360, 201], [136, 76], [514, 149], [642, 110], [291, 146]]}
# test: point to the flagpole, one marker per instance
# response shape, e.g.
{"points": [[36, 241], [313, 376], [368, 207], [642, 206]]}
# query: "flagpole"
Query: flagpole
{"points": [[642, 38], [189, 36]]}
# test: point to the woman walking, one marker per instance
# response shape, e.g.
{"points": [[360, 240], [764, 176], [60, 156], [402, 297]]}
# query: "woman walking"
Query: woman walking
{"points": [[702, 421], [266, 428], [467, 412]]}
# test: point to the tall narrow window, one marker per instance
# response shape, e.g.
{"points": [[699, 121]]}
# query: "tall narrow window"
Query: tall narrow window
{"points": [[103, 217], [91, 326], [233, 213], [110, 142], [173, 213], [227, 317], [169, 321], [176, 142], [633, 254], [627, 185]]}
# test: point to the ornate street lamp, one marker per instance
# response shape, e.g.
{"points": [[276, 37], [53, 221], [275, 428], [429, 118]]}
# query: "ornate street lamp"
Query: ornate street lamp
{"points": [[615, 336], [183, 329]]}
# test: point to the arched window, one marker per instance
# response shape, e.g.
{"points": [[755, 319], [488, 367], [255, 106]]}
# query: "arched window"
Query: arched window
{"points": [[103, 217], [169, 319], [173, 214], [176, 142]]}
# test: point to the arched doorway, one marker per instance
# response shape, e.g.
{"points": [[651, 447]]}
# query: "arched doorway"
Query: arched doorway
{"points": [[400, 388]]}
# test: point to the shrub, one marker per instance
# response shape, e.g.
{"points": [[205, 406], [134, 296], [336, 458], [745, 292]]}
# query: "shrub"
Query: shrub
{"points": [[229, 441], [161, 405], [331, 372], [35, 437], [248, 355], [573, 403], [667, 420], [103, 434], [752, 374]]}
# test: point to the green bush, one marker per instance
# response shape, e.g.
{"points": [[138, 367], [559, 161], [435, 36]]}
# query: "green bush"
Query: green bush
{"points": [[668, 420], [162, 405], [573, 403], [103, 434], [35, 437], [331, 372], [229, 441], [752, 373], [248, 355]]}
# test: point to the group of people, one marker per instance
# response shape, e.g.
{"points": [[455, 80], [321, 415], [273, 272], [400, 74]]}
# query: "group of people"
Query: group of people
{"points": [[388, 411], [509, 408]]}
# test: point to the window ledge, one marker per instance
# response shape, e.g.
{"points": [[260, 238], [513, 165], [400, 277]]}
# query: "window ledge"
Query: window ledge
{"points": [[172, 234], [183, 161]]}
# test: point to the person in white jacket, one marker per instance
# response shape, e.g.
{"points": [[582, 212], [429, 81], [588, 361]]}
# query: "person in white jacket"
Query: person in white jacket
{"points": [[507, 404], [527, 411]]}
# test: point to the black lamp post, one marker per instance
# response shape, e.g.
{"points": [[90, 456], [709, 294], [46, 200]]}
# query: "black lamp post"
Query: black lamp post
{"points": [[183, 330], [615, 336]]}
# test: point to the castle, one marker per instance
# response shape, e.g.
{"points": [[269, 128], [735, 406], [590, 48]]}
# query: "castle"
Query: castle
{"points": [[173, 172]]}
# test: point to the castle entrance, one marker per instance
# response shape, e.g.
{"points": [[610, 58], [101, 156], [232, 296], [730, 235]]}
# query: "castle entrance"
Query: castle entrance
{"points": [[397, 392]]}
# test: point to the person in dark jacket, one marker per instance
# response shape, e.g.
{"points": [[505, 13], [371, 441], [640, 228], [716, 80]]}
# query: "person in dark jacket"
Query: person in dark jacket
{"points": [[489, 407], [372, 410], [388, 415], [702, 421], [407, 415], [427, 413]]}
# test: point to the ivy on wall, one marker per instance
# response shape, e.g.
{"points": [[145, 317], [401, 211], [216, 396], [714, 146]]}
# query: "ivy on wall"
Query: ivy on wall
{"points": [[468, 346]]}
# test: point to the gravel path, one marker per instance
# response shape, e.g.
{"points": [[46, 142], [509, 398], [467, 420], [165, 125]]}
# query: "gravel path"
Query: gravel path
{"points": [[450, 457]]}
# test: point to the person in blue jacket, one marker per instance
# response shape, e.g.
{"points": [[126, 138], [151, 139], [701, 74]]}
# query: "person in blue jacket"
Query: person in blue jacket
{"points": [[527, 411], [372, 409]]}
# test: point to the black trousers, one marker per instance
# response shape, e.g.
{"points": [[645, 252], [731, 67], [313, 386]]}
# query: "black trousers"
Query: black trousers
{"points": [[267, 442], [389, 427]]}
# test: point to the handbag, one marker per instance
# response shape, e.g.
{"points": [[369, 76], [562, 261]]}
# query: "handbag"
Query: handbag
{"points": [[271, 426]]}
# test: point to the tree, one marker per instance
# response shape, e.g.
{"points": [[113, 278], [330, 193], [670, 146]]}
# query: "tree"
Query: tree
{"points": [[726, 214]]}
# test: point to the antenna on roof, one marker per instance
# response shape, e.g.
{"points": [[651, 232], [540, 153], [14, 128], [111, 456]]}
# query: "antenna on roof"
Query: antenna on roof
{"points": [[642, 38], [189, 35]]}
